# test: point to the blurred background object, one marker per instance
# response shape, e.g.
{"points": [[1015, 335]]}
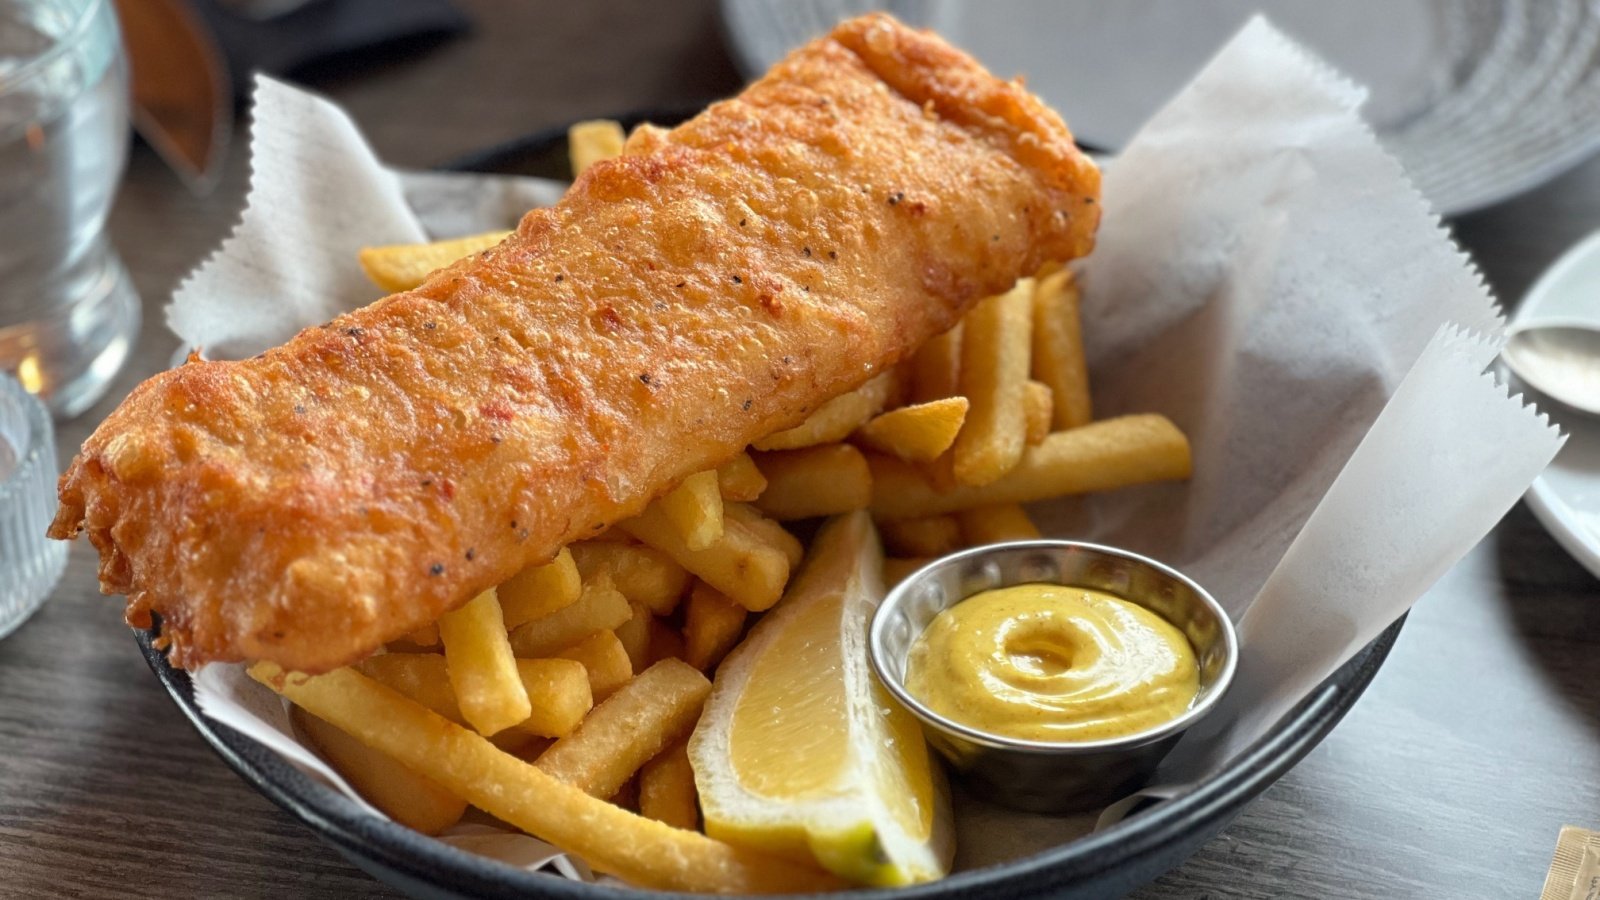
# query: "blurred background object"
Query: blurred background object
{"points": [[30, 563], [1480, 99], [68, 312], [182, 95]]}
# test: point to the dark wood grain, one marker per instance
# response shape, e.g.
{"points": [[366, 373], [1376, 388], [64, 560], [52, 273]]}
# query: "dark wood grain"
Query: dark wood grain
{"points": [[1477, 741]]}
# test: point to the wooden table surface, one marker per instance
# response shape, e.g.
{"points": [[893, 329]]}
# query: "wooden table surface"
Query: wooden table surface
{"points": [[1477, 741]]}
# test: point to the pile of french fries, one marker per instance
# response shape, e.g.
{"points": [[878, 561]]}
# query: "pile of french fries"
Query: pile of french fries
{"points": [[560, 702]]}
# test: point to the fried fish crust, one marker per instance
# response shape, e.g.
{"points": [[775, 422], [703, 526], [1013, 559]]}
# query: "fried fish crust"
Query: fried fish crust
{"points": [[706, 289]]}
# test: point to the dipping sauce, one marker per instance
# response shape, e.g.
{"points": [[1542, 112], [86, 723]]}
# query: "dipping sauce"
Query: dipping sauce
{"points": [[1045, 662]]}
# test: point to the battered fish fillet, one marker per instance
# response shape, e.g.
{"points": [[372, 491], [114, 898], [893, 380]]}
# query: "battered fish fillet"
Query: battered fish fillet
{"points": [[711, 287]]}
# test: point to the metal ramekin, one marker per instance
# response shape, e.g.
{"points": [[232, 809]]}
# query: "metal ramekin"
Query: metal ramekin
{"points": [[1048, 776]]}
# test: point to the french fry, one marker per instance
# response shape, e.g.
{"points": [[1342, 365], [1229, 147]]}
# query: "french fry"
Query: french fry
{"points": [[640, 851], [635, 636], [1100, 456], [483, 670], [816, 481], [606, 661], [770, 532], [558, 690], [695, 508], [410, 799], [422, 677], [936, 367], [600, 607], [593, 141], [740, 480], [404, 267], [538, 591], [896, 568], [996, 524], [834, 420], [711, 626], [917, 433], [643, 574], [1037, 403], [739, 564], [666, 789], [554, 690], [994, 377], [931, 536], [632, 726], [1058, 359]]}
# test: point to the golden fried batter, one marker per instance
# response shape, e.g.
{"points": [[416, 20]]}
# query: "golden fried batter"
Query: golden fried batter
{"points": [[709, 288]]}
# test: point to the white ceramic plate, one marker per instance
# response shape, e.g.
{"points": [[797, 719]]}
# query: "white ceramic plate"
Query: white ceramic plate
{"points": [[1480, 99], [1566, 497]]}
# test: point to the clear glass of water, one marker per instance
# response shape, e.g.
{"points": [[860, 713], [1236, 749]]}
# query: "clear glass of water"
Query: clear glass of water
{"points": [[68, 312], [30, 563]]}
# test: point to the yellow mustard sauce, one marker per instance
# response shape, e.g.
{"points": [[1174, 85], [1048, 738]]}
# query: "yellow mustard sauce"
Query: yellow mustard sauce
{"points": [[1044, 662]]}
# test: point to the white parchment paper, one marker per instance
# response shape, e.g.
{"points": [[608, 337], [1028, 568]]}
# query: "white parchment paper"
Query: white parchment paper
{"points": [[1265, 276]]}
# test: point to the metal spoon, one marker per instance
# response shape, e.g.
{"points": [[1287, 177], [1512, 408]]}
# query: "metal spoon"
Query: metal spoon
{"points": [[1560, 360]]}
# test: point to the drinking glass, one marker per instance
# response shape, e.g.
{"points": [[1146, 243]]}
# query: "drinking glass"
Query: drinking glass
{"points": [[30, 563], [68, 312]]}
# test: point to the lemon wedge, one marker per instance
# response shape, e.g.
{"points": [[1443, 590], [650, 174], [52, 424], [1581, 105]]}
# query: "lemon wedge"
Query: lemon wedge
{"points": [[799, 751]]}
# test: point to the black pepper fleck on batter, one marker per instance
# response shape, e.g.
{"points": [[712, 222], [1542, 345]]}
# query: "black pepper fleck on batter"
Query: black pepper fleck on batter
{"points": [[436, 569]]}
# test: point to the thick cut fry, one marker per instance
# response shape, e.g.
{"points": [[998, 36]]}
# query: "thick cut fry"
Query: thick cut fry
{"points": [[666, 789], [816, 481], [666, 642], [539, 591], [1058, 358], [410, 799], [600, 607], [631, 727], [635, 637], [606, 661], [739, 564], [593, 141], [1037, 402], [711, 626], [740, 480], [558, 690], [483, 670], [931, 536], [833, 421], [423, 677], [916, 433], [936, 367], [769, 531], [996, 524], [404, 267], [1099, 456], [695, 508], [643, 574], [640, 851], [895, 569], [994, 377]]}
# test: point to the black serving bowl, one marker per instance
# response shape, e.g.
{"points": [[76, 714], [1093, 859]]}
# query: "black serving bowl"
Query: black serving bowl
{"points": [[1131, 853]]}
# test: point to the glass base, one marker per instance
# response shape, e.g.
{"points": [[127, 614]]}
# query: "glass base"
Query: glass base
{"points": [[69, 358]]}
